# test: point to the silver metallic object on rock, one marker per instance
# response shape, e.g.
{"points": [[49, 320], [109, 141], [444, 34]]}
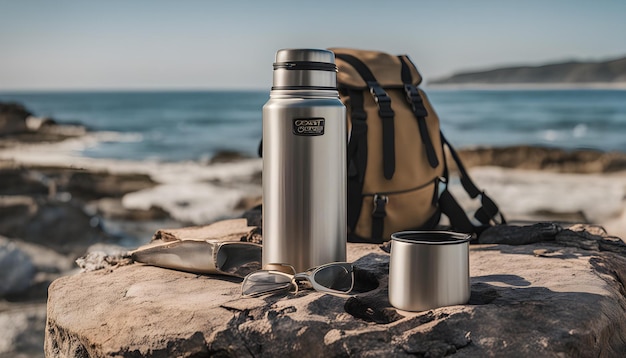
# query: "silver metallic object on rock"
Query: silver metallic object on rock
{"points": [[428, 269], [231, 258], [304, 162]]}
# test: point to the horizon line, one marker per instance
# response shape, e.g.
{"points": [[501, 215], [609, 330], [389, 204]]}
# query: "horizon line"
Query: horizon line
{"points": [[432, 86]]}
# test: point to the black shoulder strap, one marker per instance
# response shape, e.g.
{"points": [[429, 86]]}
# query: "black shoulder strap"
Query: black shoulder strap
{"points": [[420, 112], [357, 157], [488, 214], [384, 111]]}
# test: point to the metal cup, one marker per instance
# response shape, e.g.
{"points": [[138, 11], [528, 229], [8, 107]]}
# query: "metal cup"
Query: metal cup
{"points": [[428, 269]]}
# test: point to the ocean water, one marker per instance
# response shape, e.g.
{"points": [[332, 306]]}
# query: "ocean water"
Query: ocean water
{"points": [[161, 126], [171, 135], [563, 118], [177, 126]]}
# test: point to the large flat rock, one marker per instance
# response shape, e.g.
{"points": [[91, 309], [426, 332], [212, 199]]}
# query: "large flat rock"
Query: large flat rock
{"points": [[541, 299]]}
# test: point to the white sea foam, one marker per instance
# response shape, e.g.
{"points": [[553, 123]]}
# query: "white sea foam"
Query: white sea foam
{"points": [[197, 203], [523, 193], [580, 130], [550, 135], [67, 152], [195, 193]]}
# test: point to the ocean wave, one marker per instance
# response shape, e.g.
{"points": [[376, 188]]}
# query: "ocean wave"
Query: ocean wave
{"points": [[196, 202], [110, 136]]}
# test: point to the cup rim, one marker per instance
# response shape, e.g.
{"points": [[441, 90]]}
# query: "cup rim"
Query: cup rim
{"points": [[436, 237]]}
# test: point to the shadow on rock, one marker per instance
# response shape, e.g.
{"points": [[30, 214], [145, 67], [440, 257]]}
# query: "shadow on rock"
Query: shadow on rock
{"points": [[371, 309]]}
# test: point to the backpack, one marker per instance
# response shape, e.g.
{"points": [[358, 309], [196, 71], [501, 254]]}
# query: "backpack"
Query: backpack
{"points": [[397, 170]]}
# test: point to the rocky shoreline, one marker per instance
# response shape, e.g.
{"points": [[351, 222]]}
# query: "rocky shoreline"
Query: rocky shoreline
{"points": [[556, 160], [52, 214]]}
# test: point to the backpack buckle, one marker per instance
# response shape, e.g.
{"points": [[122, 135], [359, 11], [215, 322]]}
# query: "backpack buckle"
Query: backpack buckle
{"points": [[382, 100], [411, 93], [380, 96], [380, 201], [414, 98]]}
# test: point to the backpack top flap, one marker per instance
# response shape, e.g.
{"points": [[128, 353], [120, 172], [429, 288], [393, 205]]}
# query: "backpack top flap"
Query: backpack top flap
{"points": [[386, 68]]}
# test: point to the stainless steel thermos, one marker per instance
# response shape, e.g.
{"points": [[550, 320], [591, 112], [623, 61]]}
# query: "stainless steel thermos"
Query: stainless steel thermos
{"points": [[304, 162]]}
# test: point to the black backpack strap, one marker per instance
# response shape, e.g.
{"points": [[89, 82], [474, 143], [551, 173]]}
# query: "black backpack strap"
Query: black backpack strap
{"points": [[357, 157], [378, 217], [384, 111], [419, 110], [488, 214], [455, 213]]}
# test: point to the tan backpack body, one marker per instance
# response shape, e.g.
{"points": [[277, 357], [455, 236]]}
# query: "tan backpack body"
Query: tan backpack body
{"points": [[396, 162]]}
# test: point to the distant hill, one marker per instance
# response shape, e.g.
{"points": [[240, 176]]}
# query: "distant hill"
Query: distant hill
{"points": [[573, 72]]}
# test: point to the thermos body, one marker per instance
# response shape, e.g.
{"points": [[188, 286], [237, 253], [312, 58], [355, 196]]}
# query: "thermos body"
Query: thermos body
{"points": [[304, 164]]}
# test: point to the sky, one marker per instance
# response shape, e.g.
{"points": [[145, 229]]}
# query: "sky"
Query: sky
{"points": [[193, 44]]}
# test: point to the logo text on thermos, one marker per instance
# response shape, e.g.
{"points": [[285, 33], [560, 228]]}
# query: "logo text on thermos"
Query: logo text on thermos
{"points": [[308, 126]]}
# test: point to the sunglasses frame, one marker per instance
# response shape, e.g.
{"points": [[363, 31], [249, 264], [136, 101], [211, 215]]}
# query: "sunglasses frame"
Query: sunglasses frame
{"points": [[308, 275]]}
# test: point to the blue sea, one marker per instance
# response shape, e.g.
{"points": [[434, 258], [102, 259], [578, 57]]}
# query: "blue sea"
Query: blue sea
{"points": [[194, 125]]}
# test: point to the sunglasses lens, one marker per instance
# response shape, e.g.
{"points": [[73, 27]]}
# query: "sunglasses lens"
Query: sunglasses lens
{"points": [[260, 282], [334, 277]]}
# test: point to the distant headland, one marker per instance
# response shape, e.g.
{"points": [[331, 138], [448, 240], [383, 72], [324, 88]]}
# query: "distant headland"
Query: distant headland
{"points": [[609, 73]]}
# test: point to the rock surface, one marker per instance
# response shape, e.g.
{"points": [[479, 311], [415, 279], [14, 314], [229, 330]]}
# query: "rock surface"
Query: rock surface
{"points": [[13, 118], [21, 330], [16, 268], [545, 158], [540, 299], [49, 216], [18, 125], [26, 271]]}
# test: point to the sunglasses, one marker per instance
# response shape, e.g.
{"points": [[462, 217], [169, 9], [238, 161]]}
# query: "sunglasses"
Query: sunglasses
{"points": [[335, 277]]}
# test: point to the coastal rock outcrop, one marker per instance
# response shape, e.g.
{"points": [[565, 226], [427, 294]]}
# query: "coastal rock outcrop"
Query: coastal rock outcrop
{"points": [[21, 330], [13, 118], [26, 271], [37, 221], [571, 72], [540, 299], [19, 125], [49, 216], [544, 158]]}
